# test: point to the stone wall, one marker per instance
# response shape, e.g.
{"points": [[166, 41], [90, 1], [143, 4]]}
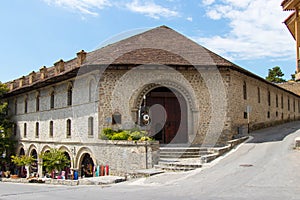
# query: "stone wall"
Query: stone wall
{"points": [[262, 114]]}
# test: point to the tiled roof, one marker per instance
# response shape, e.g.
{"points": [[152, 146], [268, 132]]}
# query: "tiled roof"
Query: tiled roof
{"points": [[160, 45]]}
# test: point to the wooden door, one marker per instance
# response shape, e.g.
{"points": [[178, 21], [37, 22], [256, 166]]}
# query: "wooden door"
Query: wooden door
{"points": [[174, 130]]}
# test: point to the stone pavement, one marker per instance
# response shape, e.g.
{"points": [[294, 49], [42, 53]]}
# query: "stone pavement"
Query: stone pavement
{"points": [[101, 180]]}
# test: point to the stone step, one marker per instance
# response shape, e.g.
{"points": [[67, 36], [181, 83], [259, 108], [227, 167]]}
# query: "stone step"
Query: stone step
{"points": [[177, 166], [182, 152]]}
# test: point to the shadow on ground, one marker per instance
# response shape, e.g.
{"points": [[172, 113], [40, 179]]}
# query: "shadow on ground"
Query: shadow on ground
{"points": [[274, 134]]}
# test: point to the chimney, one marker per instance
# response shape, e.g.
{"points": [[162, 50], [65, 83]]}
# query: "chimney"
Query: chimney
{"points": [[81, 55], [11, 85], [21, 81], [43, 72], [32, 76], [59, 66]]}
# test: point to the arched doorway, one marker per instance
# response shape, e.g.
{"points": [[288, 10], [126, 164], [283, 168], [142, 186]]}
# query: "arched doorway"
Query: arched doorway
{"points": [[34, 166], [22, 152], [86, 166], [67, 169], [174, 128]]}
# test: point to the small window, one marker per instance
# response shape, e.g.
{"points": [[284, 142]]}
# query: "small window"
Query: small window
{"points": [[52, 100], [276, 114], [15, 128], [91, 126], [16, 107], [276, 101], [289, 106], [69, 128], [51, 129], [25, 104], [245, 90], [269, 98], [69, 95], [245, 115], [37, 102], [91, 86], [282, 101], [116, 118], [294, 105], [37, 129], [258, 94], [25, 130], [269, 114]]}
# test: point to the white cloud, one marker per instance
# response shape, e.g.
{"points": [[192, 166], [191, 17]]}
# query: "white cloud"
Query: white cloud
{"points": [[207, 2], [91, 7], [83, 6], [189, 19], [256, 30], [151, 9]]}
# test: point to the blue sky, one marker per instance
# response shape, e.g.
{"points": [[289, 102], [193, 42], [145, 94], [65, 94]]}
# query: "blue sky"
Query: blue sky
{"points": [[38, 33]]}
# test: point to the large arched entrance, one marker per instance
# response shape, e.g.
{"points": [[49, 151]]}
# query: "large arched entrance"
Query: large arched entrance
{"points": [[174, 128], [34, 166], [87, 165]]}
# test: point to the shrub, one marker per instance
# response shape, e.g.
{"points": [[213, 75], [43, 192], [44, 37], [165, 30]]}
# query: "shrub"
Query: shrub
{"points": [[120, 136], [135, 134]]}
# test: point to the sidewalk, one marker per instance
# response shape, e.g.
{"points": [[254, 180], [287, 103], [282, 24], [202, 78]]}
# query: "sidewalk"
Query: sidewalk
{"points": [[101, 180]]}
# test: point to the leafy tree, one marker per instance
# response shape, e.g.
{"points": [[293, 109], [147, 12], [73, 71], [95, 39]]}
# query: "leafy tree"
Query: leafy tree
{"points": [[293, 76], [275, 75], [23, 161], [7, 143], [54, 159]]}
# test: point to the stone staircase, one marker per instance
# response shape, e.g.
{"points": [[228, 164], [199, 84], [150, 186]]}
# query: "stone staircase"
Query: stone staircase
{"points": [[181, 158], [177, 158]]}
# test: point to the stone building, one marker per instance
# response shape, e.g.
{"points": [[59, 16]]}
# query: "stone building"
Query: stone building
{"points": [[293, 24], [192, 96]]}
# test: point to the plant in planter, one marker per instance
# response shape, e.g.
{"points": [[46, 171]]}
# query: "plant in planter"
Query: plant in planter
{"points": [[23, 161], [130, 135]]}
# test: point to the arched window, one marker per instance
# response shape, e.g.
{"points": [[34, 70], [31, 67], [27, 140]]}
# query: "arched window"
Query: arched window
{"points": [[258, 94], [69, 95], [37, 102], [16, 106], [37, 129], [25, 104], [245, 90], [91, 85], [269, 98], [25, 130], [52, 97], [69, 128], [51, 129], [90, 126]]}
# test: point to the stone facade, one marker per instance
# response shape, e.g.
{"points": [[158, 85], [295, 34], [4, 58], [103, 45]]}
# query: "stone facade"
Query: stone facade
{"points": [[68, 105]]}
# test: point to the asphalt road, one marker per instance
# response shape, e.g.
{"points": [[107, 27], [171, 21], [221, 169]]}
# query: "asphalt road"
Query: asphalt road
{"points": [[267, 167]]}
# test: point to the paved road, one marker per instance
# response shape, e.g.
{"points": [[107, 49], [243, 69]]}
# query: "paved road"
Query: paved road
{"points": [[266, 167]]}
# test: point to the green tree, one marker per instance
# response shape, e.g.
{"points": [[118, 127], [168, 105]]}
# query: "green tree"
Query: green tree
{"points": [[54, 159], [293, 76], [275, 75], [23, 161], [7, 142]]}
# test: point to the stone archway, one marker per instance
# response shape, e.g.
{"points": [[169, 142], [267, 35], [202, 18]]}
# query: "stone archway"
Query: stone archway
{"points": [[86, 166], [34, 166], [168, 110]]}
